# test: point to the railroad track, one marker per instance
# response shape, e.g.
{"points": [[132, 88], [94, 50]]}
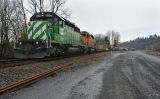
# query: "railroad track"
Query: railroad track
{"points": [[19, 62], [39, 76], [12, 63]]}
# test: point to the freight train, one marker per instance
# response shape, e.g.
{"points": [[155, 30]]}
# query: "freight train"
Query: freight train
{"points": [[47, 34]]}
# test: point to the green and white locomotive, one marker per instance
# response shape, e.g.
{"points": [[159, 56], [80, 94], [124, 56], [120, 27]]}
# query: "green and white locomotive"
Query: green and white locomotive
{"points": [[47, 35]]}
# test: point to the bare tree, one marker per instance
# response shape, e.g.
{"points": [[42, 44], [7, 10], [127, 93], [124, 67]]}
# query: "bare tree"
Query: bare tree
{"points": [[108, 34], [117, 37], [56, 6], [114, 37], [24, 15], [33, 6], [99, 37], [4, 16], [16, 19], [9, 21]]}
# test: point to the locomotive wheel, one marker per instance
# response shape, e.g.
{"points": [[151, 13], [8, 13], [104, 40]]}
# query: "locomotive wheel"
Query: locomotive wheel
{"points": [[56, 51], [59, 51]]}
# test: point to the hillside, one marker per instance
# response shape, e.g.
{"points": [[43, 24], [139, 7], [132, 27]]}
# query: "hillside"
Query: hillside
{"points": [[150, 43]]}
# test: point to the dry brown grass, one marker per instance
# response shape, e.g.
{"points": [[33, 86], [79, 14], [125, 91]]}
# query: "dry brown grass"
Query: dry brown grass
{"points": [[154, 53]]}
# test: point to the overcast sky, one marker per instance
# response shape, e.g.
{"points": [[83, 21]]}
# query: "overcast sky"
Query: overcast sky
{"points": [[132, 18]]}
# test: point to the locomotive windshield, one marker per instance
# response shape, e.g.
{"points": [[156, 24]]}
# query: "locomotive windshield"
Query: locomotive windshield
{"points": [[83, 34], [43, 18]]}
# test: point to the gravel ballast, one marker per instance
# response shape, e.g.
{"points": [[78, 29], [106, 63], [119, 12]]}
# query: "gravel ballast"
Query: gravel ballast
{"points": [[13, 74]]}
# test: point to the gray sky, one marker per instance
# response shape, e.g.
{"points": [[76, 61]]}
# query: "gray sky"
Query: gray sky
{"points": [[132, 18]]}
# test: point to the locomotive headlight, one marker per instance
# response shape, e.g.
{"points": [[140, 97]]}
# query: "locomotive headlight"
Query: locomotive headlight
{"points": [[42, 14], [20, 43], [36, 42]]}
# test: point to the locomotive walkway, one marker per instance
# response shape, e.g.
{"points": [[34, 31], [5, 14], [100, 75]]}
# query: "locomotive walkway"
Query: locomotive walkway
{"points": [[128, 75]]}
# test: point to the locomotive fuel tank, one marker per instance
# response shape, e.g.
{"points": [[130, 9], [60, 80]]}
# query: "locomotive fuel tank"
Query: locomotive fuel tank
{"points": [[73, 50]]}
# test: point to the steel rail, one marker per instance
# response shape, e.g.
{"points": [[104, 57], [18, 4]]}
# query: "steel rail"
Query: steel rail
{"points": [[42, 75]]}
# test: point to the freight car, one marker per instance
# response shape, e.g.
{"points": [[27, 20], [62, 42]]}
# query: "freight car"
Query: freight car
{"points": [[101, 45], [47, 34]]}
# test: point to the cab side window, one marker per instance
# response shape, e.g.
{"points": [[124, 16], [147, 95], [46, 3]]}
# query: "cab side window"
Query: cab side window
{"points": [[61, 23]]}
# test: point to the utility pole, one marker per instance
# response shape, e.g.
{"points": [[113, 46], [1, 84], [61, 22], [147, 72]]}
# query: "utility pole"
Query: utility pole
{"points": [[35, 7], [112, 36], [40, 5], [24, 15], [53, 6]]}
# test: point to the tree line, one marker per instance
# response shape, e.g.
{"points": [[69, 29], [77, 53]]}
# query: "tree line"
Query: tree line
{"points": [[145, 43]]}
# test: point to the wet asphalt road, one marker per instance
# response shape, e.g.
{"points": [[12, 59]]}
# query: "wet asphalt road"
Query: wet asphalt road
{"points": [[129, 75]]}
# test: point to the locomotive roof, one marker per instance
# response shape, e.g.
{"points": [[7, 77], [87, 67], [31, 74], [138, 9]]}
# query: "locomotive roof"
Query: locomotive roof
{"points": [[92, 36], [46, 14], [53, 15], [71, 24], [87, 33]]}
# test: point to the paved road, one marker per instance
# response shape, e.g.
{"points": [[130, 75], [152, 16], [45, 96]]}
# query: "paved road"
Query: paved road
{"points": [[129, 75]]}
